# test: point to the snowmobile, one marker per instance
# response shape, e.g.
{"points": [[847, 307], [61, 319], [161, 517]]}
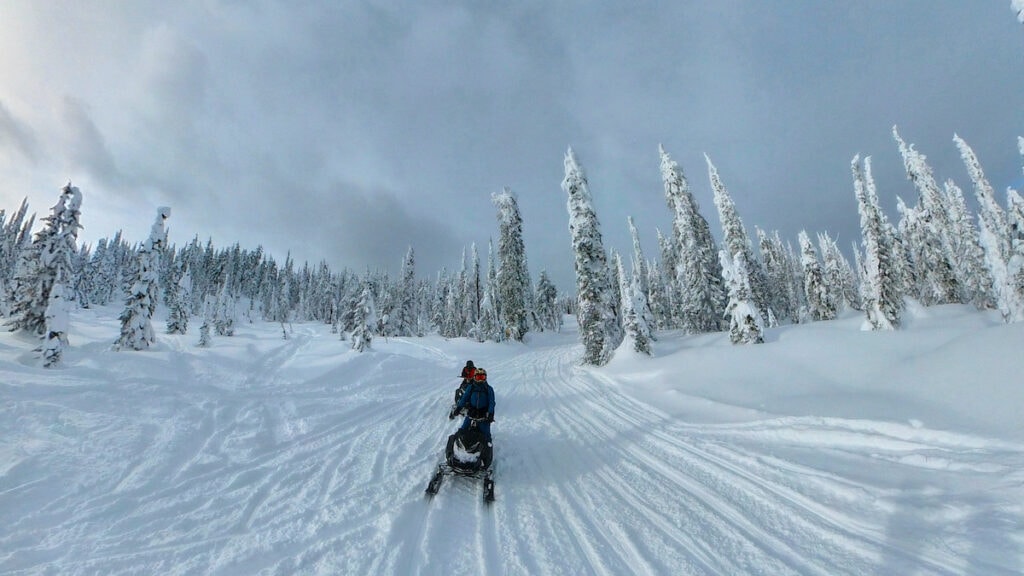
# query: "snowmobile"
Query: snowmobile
{"points": [[468, 453]]}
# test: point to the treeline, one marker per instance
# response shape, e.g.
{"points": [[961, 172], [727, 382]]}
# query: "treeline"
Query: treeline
{"points": [[938, 252], [44, 275]]}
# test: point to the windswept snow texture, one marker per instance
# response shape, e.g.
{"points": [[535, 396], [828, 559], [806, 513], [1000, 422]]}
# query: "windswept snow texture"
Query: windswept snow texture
{"points": [[824, 451]]}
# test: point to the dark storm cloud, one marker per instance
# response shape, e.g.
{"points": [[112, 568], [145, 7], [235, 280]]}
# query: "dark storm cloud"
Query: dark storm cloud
{"points": [[347, 131]]}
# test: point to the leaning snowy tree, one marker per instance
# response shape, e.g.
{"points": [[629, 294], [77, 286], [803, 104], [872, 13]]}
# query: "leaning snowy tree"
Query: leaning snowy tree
{"points": [[931, 242], [40, 263], [642, 276], [994, 238], [880, 285], [693, 269], [595, 313], [513, 278], [637, 331], [735, 241], [136, 325]]}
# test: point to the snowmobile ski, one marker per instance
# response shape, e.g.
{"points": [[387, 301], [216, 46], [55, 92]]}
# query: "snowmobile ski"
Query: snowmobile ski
{"points": [[435, 482], [489, 487]]}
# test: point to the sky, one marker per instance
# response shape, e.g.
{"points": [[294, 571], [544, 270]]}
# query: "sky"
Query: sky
{"points": [[349, 131], [825, 450]]}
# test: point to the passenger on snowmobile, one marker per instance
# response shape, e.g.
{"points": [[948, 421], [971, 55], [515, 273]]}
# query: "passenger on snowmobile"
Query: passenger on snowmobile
{"points": [[467, 378], [478, 401]]}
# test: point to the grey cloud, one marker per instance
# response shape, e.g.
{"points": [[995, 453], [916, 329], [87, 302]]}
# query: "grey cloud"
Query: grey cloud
{"points": [[252, 119], [86, 147], [16, 136], [342, 224]]}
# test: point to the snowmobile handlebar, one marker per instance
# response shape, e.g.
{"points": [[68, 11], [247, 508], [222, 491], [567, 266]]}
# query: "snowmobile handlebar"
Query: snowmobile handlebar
{"points": [[462, 412]]}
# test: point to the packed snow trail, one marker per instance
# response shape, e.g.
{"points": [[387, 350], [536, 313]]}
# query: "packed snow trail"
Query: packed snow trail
{"points": [[270, 456]]}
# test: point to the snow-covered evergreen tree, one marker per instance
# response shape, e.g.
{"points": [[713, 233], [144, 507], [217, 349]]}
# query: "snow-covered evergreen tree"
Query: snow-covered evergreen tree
{"points": [[595, 314], [637, 331], [40, 263], [136, 325], [834, 273], [226, 312], [642, 277], [670, 308], [968, 257], [783, 304], [818, 307], [366, 319], [406, 322], [931, 242], [736, 242], [993, 237], [745, 325], [180, 298], [696, 273], [473, 290], [58, 312], [489, 325], [659, 302], [880, 288], [513, 277], [548, 312], [205, 337]]}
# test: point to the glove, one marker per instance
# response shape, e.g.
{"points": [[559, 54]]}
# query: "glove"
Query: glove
{"points": [[490, 418], [451, 415]]}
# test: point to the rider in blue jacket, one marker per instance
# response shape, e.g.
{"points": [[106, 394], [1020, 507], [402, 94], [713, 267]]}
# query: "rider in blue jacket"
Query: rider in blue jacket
{"points": [[478, 400]]}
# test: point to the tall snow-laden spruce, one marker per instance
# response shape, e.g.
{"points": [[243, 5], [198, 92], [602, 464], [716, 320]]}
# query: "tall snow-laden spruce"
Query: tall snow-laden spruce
{"points": [[136, 320], [365, 317], [513, 277], [642, 277], [736, 243], [595, 312], [406, 321], [880, 286], [745, 324], [695, 270], [784, 302], [548, 313], [180, 303], [637, 332], [931, 245], [994, 238], [968, 255], [818, 303], [40, 263], [489, 325]]}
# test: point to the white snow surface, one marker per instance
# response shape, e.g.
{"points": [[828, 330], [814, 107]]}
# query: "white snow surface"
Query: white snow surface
{"points": [[827, 450]]}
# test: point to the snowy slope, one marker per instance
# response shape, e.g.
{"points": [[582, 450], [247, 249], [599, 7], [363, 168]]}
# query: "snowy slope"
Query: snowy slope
{"points": [[825, 451]]}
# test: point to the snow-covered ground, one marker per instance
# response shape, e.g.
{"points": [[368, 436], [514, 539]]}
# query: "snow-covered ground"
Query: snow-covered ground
{"points": [[826, 450]]}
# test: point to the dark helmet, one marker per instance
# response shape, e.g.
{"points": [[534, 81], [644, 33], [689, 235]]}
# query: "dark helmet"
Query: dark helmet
{"points": [[468, 369], [469, 364]]}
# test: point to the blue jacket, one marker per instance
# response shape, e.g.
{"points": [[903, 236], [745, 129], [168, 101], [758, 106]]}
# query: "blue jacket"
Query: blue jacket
{"points": [[479, 398]]}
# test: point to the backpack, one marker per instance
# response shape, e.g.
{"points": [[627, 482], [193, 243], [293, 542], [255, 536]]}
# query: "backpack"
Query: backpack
{"points": [[479, 399]]}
